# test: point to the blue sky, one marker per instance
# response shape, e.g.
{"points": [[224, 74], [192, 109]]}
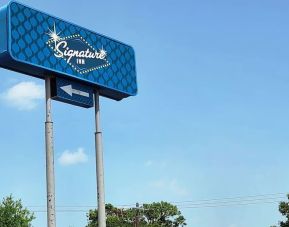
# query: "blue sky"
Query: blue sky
{"points": [[210, 120]]}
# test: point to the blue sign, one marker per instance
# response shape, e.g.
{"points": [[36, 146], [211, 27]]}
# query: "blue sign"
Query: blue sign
{"points": [[71, 92], [37, 44]]}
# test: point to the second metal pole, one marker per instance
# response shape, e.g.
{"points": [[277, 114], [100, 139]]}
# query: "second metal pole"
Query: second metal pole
{"points": [[50, 181], [99, 165]]}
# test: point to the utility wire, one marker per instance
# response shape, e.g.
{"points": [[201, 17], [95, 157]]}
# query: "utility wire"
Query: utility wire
{"points": [[190, 204], [182, 207], [229, 205], [231, 201], [231, 198]]}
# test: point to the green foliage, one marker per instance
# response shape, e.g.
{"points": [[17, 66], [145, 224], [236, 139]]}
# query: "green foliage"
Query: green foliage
{"points": [[150, 215], [115, 217], [12, 213], [163, 214], [284, 210]]}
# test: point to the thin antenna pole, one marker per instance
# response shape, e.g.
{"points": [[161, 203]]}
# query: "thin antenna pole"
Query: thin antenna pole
{"points": [[137, 215]]}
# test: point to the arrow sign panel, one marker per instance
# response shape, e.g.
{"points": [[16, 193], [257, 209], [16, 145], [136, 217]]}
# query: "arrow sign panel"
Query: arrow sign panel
{"points": [[72, 92]]}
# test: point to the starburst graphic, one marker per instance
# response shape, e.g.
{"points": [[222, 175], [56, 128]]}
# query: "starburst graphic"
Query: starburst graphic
{"points": [[102, 52], [54, 35]]}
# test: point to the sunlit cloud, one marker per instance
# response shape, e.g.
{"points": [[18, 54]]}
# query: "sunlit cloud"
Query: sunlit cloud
{"points": [[24, 95], [73, 157]]}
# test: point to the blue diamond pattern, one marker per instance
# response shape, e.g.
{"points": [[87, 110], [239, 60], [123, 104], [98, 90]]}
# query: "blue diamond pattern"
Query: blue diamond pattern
{"points": [[28, 43]]}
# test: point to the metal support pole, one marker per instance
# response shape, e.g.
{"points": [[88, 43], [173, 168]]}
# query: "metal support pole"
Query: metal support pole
{"points": [[99, 165], [50, 182]]}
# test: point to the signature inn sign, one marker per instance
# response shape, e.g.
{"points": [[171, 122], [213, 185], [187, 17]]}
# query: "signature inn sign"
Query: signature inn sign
{"points": [[37, 44], [78, 66]]}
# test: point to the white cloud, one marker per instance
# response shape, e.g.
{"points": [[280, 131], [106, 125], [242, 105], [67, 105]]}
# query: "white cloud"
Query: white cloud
{"points": [[24, 95], [169, 186], [73, 157]]}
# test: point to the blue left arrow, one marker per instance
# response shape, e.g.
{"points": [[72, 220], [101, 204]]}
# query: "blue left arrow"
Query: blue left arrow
{"points": [[72, 92]]}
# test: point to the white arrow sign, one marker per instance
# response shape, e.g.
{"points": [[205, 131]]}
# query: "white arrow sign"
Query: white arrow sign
{"points": [[69, 90]]}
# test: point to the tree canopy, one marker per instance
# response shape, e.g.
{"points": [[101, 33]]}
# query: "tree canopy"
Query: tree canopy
{"points": [[12, 213], [149, 215], [284, 210]]}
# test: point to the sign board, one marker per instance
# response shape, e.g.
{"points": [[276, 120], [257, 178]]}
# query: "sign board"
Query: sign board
{"points": [[71, 92], [37, 44]]}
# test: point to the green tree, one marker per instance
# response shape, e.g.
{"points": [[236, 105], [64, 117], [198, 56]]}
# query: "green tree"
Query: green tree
{"points": [[12, 213], [284, 210], [149, 215], [115, 217], [163, 214]]}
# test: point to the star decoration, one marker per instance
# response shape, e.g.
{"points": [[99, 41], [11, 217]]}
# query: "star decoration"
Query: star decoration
{"points": [[54, 35], [102, 52]]}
